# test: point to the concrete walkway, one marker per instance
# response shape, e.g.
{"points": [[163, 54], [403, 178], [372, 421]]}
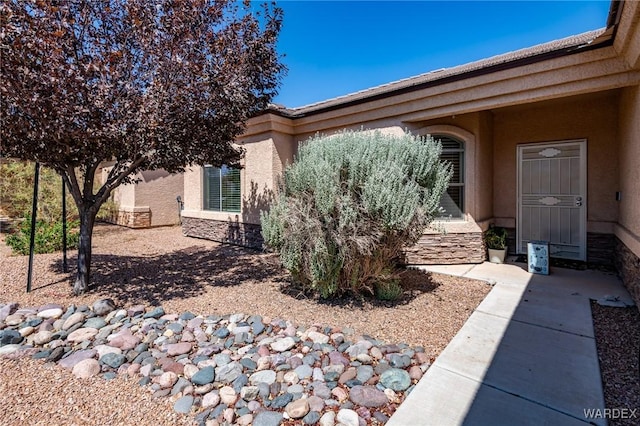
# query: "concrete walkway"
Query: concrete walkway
{"points": [[526, 355]]}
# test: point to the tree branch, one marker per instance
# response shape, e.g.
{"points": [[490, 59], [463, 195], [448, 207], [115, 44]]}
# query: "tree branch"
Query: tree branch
{"points": [[111, 183]]}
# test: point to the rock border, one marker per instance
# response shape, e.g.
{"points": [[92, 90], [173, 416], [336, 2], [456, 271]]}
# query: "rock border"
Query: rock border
{"points": [[231, 368]]}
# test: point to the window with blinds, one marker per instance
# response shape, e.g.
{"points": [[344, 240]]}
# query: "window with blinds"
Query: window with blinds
{"points": [[452, 201], [222, 189]]}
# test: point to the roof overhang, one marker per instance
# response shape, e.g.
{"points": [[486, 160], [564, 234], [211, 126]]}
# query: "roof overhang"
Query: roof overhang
{"points": [[525, 75]]}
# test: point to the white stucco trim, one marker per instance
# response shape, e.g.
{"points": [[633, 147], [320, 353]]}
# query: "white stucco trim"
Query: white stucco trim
{"points": [[453, 227], [134, 209], [469, 140], [213, 215]]}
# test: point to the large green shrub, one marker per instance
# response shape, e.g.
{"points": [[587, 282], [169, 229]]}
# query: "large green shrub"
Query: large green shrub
{"points": [[349, 204], [48, 236]]}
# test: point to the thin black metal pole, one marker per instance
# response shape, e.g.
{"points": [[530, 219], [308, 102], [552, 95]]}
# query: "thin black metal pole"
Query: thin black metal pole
{"points": [[34, 211], [64, 227], [180, 204]]}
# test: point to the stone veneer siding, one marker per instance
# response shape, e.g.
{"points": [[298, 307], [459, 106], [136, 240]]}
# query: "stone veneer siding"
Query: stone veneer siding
{"points": [[452, 248], [131, 219], [447, 248], [601, 249], [244, 234], [628, 266]]}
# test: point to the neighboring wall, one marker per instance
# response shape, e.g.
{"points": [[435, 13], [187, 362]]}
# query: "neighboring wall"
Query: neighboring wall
{"points": [[153, 203], [158, 193], [628, 229]]}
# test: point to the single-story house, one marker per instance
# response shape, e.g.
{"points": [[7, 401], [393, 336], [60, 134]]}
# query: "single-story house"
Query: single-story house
{"points": [[545, 141]]}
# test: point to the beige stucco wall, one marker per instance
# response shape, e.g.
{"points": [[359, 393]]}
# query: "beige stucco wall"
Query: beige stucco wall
{"points": [[192, 189], [388, 125], [629, 169], [125, 196], [627, 42], [154, 196], [158, 192], [483, 180], [594, 118], [258, 178], [284, 153]]}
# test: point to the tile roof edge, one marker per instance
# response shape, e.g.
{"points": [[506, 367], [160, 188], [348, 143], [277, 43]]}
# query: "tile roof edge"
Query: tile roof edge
{"points": [[553, 48]]}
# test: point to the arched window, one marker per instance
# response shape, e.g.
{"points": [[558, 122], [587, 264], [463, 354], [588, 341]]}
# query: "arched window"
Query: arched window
{"points": [[452, 201]]}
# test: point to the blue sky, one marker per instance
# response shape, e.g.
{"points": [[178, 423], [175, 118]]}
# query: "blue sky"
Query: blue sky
{"points": [[333, 48]]}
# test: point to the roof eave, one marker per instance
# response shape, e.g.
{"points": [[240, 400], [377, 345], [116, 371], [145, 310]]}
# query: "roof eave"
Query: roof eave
{"points": [[603, 40]]}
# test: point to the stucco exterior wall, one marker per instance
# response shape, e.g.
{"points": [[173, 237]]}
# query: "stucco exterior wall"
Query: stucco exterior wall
{"points": [[629, 172], [158, 193], [627, 42], [266, 156], [628, 229], [125, 211], [593, 118], [284, 153], [483, 179], [125, 195], [150, 203], [257, 177]]}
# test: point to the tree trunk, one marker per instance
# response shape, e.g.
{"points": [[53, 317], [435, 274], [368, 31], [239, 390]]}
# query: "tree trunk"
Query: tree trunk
{"points": [[87, 220]]}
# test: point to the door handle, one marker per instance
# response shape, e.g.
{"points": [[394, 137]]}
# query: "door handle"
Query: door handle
{"points": [[578, 201]]}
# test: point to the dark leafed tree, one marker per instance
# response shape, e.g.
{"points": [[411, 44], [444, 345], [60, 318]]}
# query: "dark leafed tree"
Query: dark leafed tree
{"points": [[148, 84]]}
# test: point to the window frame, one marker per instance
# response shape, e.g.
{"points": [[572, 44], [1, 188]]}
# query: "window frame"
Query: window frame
{"points": [[206, 191], [461, 151]]}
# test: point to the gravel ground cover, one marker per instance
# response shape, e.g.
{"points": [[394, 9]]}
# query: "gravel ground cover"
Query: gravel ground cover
{"points": [[617, 332], [160, 267], [36, 393]]}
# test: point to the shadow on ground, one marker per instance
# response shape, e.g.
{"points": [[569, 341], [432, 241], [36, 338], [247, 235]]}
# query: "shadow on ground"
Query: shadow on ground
{"points": [[414, 282], [181, 274]]}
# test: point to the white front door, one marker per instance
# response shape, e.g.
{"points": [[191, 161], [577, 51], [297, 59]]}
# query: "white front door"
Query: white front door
{"points": [[552, 197]]}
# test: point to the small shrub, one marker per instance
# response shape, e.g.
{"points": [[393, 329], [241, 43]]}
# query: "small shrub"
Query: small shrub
{"points": [[495, 238], [388, 290], [349, 204], [48, 237]]}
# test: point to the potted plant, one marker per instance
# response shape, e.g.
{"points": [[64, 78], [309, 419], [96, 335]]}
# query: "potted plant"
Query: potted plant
{"points": [[495, 239]]}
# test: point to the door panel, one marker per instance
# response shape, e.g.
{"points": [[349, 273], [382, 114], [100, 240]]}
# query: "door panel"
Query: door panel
{"points": [[552, 197]]}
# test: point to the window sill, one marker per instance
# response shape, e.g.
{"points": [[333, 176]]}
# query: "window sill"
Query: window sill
{"points": [[213, 215], [459, 226]]}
